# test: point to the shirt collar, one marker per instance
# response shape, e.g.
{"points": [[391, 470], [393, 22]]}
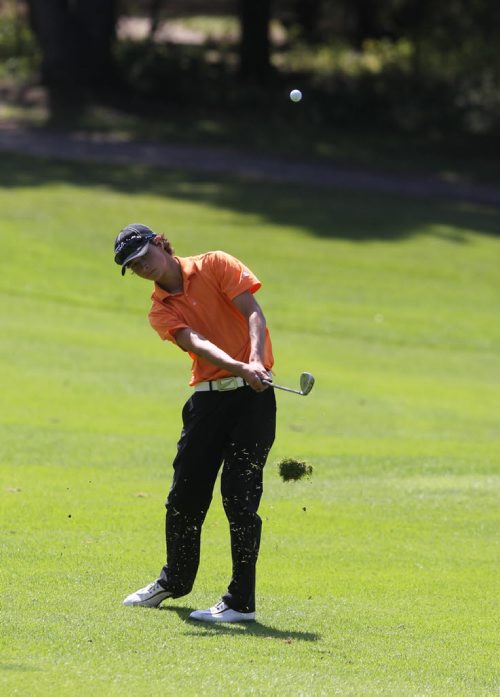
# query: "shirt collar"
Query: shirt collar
{"points": [[188, 268]]}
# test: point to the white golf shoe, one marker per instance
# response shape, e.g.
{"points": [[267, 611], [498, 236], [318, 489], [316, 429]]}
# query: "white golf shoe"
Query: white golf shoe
{"points": [[149, 596], [221, 613]]}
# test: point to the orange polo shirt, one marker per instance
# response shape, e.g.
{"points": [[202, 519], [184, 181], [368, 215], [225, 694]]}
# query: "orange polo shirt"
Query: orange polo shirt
{"points": [[210, 282]]}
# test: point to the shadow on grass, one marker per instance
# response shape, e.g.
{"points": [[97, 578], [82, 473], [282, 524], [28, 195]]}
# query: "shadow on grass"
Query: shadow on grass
{"points": [[327, 213], [247, 628]]}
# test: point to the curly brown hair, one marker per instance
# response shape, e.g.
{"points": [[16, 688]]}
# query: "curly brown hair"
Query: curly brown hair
{"points": [[166, 244]]}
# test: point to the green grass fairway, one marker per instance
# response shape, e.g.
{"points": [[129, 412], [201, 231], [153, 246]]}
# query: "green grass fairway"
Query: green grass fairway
{"points": [[377, 576]]}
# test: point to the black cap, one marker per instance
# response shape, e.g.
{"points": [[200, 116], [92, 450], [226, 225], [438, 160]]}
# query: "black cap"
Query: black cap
{"points": [[132, 242]]}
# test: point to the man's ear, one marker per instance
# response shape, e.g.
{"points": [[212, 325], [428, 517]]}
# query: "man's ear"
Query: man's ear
{"points": [[157, 240]]}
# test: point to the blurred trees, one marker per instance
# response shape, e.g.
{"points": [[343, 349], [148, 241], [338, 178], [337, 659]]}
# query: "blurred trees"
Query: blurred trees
{"points": [[408, 58], [76, 36]]}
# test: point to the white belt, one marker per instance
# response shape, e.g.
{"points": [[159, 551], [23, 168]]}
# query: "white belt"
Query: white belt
{"points": [[220, 385]]}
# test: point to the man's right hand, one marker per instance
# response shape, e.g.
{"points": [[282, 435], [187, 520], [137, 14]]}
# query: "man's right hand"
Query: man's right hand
{"points": [[253, 374]]}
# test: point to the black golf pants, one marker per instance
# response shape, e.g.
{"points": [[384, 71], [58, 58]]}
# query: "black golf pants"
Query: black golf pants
{"points": [[234, 429]]}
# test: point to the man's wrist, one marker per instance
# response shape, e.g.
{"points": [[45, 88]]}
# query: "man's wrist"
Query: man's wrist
{"points": [[239, 369]]}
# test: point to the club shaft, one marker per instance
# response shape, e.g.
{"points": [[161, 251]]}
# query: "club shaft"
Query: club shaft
{"points": [[280, 387]]}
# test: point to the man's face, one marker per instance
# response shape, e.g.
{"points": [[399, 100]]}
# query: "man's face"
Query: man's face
{"points": [[151, 265]]}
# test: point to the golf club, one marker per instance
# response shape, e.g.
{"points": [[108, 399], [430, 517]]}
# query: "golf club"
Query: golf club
{"points": [[306, 385]]}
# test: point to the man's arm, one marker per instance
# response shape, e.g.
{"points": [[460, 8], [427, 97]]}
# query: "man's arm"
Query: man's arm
{"points": [[250, 309], [252, 372]]}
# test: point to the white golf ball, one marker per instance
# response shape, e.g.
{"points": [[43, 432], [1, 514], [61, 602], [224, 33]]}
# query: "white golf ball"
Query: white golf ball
{"points": [[295, 95]]}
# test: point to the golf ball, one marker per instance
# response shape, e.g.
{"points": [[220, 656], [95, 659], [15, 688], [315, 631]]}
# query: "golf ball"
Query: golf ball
{"points": [[295, 95]]}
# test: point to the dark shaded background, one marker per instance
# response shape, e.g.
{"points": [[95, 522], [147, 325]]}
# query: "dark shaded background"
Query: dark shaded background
{"points": [[397, 79]]}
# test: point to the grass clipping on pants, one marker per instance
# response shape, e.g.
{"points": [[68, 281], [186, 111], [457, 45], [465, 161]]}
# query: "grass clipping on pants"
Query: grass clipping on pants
{"points": [[290, 470]]}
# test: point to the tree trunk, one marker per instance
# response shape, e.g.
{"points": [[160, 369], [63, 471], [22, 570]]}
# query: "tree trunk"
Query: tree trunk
{"points": [[308, 15], [75, 37], [255, 16], [95, 22], [366, 25], [49, 24], [154, 12]]}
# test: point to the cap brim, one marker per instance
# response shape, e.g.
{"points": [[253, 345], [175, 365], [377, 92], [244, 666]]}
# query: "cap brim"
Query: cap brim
{"points": [[135, 255]]}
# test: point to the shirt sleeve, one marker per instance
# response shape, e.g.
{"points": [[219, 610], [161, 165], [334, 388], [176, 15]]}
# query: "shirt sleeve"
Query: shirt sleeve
{"points": [[165, 321], [232, 276]]}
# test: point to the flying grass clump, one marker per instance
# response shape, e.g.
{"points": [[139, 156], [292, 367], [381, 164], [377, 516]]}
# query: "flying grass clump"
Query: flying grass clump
{"points": [[291, 470]]}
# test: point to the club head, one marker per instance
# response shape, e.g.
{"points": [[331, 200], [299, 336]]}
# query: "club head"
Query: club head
{"points": [[306, 383]]}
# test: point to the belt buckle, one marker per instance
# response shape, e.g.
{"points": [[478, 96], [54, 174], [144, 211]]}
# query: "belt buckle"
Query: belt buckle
{"points": [[226, 384]]}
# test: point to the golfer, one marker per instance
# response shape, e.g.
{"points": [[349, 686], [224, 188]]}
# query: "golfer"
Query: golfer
{"points": [[205, 305]]}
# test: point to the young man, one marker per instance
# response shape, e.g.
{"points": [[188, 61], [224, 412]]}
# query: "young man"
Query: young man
{"points": [[205, 304]]}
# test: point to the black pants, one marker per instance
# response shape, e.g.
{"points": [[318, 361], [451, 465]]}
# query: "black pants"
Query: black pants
{"points": [[236, 428]]}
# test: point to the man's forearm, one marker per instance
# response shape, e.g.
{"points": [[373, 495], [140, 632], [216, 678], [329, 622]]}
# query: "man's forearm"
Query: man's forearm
{"points": [[195, 343], [257, 332], [251, 311]]}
